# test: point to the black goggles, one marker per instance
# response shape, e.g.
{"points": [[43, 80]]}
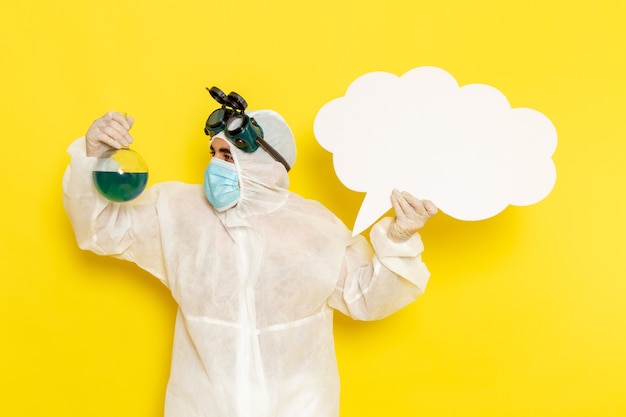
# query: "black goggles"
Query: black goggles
{"points": [[240, 129]]}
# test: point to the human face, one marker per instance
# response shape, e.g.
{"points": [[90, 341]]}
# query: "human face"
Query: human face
{"points": [[221, 149]]}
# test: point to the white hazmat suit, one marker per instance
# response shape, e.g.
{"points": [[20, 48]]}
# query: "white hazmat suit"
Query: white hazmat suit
{"points": [[256, 285]]}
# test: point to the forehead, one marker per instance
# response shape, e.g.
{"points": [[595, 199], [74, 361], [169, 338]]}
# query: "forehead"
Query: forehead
{"points": [[220, 144]]}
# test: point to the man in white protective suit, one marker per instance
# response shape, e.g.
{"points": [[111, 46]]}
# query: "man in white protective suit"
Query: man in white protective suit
{"points": [[255, 269]]}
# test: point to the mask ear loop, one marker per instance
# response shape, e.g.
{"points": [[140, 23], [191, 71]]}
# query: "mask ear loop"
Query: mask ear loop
{"points": [[273, 152]]}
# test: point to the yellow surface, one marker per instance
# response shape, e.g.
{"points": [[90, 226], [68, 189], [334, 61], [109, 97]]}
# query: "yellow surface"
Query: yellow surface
{"points": [[525, 312]]}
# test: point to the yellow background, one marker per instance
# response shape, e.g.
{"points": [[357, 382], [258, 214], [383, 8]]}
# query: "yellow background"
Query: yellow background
{"points": [[525, 312]]}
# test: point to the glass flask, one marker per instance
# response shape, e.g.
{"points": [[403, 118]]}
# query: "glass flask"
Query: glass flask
{"points": [[120, 175]]}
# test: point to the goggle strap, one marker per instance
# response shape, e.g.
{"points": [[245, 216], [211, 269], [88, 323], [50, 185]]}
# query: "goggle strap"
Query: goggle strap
{"points": [[273, 152]]}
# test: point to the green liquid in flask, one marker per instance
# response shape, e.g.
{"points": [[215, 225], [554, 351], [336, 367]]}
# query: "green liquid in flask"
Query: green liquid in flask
{"points": [[120, 187]]}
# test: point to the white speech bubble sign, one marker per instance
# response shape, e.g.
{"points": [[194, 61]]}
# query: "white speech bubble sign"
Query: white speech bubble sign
{"points": [[463, 148]]}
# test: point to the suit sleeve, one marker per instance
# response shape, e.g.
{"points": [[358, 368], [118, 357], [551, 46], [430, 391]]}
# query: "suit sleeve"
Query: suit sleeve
{"points": [[128, 231], [376, 283]]}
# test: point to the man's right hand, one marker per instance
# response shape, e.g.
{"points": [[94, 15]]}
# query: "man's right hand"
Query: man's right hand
{"points": [[108, 132]]}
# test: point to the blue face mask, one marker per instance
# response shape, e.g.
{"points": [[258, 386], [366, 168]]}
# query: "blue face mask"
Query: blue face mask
{"points": [[221, 184]]}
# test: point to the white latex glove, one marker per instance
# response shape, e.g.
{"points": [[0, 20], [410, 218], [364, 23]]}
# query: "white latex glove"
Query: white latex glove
{"points": [[411, 214], [107, 132]]}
